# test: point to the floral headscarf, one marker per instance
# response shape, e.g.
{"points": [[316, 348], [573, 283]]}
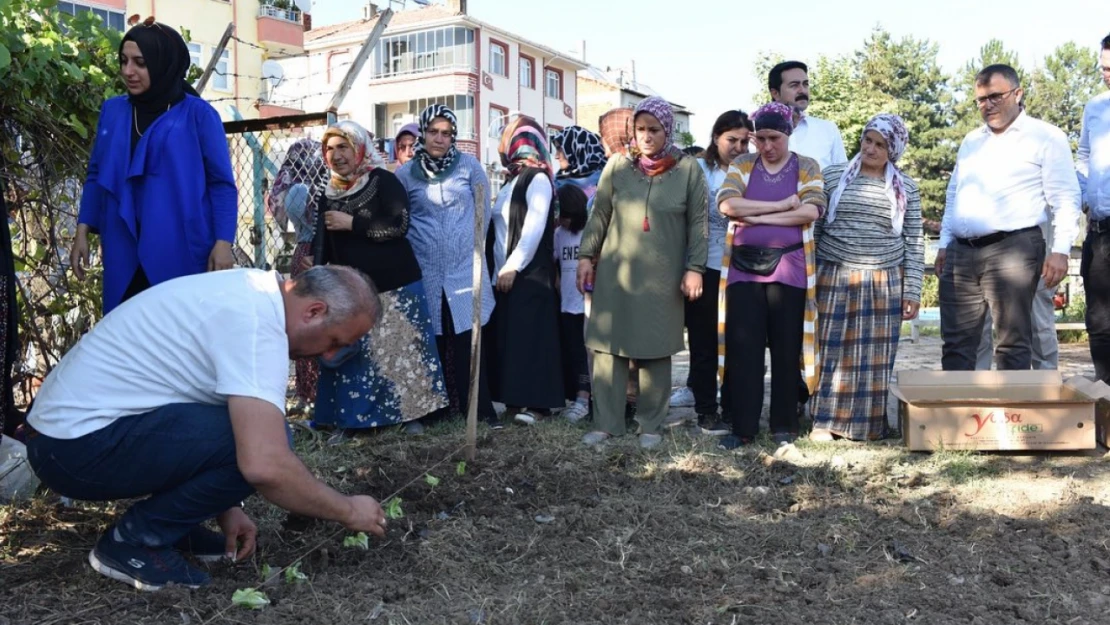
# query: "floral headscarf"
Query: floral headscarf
{"points": [[616, 130], [303, 165], [582, 149], [434, 167], [666, 158], [367, 158], [524, 144], [774, 116], [894, 131]]}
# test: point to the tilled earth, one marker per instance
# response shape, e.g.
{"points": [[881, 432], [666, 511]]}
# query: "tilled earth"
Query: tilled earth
{"points": [[539, 529]]}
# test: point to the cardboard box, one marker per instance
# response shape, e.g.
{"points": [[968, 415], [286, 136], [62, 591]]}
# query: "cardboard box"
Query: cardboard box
{"points": [[1098, 390], [993, 410]]}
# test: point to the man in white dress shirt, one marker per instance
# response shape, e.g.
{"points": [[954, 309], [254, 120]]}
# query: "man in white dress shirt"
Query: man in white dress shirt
{"points": [[992, 251], [816, 138], [1093, 166]]}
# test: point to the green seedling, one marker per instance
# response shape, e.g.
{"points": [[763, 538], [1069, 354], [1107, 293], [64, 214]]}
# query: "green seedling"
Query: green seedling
{"points": [[359, 540], [267, 572], [393, 508], [250, 598], [460, 468], [293, 574], [431, 480]]}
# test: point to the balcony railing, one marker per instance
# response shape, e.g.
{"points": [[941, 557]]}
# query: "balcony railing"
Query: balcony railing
{"points": [[289, 15]]}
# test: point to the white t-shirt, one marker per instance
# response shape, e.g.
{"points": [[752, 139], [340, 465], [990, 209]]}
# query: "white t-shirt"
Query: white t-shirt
{"points": [[566, 254], [199, 339]]}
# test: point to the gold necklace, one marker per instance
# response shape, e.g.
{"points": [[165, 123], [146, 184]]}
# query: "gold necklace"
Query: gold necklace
{"points": [[135, 118]]}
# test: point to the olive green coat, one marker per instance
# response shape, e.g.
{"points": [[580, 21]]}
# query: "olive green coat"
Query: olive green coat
{"points": [[637, 309]]}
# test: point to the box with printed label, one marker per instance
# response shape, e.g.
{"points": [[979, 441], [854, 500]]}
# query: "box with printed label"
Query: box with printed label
{"points": [[993, 410]]}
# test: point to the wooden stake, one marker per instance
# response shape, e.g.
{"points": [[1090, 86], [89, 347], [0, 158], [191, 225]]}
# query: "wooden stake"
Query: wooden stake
{"points": [[216, 54], [476, 324]]}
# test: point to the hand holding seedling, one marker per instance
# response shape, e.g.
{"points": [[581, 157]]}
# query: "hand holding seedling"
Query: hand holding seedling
{"points": [[241, 534], [365, 515]]}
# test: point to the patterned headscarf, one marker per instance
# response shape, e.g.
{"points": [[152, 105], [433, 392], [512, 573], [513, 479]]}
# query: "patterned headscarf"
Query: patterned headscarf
{"points": [[434, 167], [524, 144], [616, 130], [582, 149], [366, 158], [774, 116], [303, 165], [667, 156], [894, 131]]}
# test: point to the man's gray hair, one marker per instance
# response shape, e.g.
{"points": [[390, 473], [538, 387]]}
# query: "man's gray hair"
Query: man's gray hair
{"points": [[347, 292]]}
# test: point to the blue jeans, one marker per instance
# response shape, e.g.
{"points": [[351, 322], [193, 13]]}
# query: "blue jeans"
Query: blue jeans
{"points": [[182, 455]]}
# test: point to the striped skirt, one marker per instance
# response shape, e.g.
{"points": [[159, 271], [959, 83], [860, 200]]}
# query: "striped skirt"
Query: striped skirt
{"points": [[859, 316]]}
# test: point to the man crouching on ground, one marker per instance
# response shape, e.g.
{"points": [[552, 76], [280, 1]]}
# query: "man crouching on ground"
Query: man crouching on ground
{"points": [[179, 394]]}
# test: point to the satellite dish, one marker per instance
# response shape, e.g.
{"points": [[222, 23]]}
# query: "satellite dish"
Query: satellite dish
{"points": [[273, 73]]}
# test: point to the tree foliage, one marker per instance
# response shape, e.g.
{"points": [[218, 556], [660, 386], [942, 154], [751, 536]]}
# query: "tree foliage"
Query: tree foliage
{"points": [[904, 76], [56, 71]]}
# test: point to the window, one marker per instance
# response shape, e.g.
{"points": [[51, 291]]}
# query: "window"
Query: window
{"points": [[425, 51], [553, 84], [527, 72], [220, 78], [462, 105], [498, 59], [498, 116], [194, 54], [111, 19], [337, 65]]}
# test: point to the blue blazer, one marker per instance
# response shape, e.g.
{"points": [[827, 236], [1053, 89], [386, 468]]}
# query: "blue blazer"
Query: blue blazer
{"points": [[164, 207]]}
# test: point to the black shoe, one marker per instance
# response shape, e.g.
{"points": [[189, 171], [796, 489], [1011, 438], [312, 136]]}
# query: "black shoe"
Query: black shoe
{"points": [[629, 413], [203, 544], [144, 568], [493, 422], [733, 441], [784, 438], [712, 425]]}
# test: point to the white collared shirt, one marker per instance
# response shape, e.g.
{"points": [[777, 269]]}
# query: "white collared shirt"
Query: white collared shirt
{"points": [[1093, 164], [820, 140], [1005, 182]]}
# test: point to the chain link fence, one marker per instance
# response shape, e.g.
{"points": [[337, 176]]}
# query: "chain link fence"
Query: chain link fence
{"points": [[279, 170]]}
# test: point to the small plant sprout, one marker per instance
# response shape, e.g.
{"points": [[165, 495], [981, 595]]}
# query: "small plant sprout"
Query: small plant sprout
{"points": [[393, 508], [250, 598], [293, 574], [267, 572], [460, 468], [431, 480], [359, 540]]}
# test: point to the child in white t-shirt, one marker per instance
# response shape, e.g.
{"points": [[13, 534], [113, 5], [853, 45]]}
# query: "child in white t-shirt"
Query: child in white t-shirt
{"points": [[572, 320]]}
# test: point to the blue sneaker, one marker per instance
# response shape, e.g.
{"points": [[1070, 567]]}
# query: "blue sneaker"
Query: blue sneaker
{"points": [[144, 568], [203, 544]]}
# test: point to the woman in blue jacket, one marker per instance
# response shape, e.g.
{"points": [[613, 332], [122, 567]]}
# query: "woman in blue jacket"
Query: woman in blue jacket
{"points": [[159, 190]]}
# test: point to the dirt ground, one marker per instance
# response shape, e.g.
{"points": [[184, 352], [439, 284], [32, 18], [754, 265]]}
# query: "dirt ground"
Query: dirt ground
{"points": [[542, 530]]}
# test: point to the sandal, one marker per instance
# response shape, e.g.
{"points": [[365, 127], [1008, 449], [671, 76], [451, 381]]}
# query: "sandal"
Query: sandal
{"points": [[821, 436]]}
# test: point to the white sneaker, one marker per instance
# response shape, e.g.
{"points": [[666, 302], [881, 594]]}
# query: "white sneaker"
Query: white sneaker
{"points": [[576, 412], [682, 398]]}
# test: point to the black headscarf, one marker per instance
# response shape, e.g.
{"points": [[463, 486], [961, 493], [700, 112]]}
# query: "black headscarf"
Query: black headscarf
{"points": [[167, 61]]}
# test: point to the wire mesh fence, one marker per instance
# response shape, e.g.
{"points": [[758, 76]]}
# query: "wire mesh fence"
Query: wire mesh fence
{"points": [[279, 170]]}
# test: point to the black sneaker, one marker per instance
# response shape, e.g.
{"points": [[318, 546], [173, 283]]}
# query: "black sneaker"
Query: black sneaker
{"points": [[733, 441], [493, 422], [784, 438], [144, 568], [712, 425], [203, 544]]}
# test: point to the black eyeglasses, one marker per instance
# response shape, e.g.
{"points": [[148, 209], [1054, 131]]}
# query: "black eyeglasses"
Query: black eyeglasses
{"points": [[994, 99]]}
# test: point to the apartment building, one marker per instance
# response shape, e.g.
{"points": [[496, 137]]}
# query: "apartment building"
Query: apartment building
{"points": [[600, 90], [433, 53]]}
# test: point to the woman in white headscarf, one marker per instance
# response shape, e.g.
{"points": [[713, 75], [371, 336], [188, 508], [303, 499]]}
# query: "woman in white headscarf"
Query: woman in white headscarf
{"points": [[870, 262]]}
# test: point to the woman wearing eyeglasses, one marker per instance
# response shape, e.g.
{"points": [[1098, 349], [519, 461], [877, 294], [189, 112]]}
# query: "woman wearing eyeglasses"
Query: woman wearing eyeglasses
{"points": [[159, 190], [445, 187]]}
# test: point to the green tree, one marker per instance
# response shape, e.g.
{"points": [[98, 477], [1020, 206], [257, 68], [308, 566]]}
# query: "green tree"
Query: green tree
{"points": [[1068, 80], [993, 52]]}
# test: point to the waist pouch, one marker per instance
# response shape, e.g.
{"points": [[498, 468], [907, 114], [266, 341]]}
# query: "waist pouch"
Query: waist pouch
{"points": [[759, 261]]}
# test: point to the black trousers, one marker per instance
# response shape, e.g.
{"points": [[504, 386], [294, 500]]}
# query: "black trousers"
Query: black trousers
{"points": [[1095, 270], [454, 354], [701, 332], [763, 315], [1002, 275], [139, 283], [572, 343]]}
